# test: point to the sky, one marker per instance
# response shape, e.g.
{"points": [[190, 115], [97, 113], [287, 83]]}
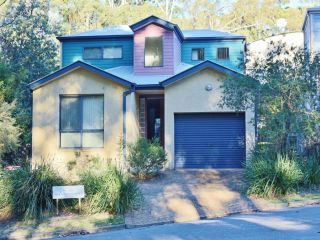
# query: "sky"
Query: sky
{"points": [[292, 3], [307, 3]]}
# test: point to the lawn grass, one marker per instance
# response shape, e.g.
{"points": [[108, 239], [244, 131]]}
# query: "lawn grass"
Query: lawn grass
{"points": [[298, 197], [56, 226], [291, 199]]}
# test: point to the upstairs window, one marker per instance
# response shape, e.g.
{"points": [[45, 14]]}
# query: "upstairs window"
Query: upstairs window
{"points": [[92, 53], [81, 121], [110, 52], [197, 54], [153, 53], [223, 53]]}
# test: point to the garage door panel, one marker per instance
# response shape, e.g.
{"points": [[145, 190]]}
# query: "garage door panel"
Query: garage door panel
{"points": [[214, 140]]}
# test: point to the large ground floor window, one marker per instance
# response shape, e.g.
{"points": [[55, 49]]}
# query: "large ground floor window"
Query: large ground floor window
{"points": [[81, 121]]}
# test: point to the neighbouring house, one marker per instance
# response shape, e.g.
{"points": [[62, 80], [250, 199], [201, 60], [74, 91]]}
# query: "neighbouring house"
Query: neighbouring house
{"points": [[311, 29], [150, 79], [311, 32], [259, 49]]}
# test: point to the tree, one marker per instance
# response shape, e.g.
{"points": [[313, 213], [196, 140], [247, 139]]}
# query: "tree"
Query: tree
{"points": [[9, 132], [257, 19], [283, 88], [29, 49], [81, 15]]}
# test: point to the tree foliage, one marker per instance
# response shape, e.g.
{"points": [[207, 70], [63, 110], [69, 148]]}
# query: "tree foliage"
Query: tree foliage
{"points": [[283, 87], [29, 51], [253, 18], [9, 132]]}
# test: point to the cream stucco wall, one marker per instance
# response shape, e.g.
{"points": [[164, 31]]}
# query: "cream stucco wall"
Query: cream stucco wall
{"points": [[45, 131], [132, 122], [189, 95]]}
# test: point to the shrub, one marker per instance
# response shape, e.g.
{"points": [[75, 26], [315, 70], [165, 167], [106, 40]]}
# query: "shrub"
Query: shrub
{"points": [[109, 190], [146, 158], [273, 177], [5, 191], [32, 195], [311, 171]]}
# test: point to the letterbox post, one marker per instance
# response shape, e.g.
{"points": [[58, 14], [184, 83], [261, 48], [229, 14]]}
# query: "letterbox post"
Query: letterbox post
{"points": [[57, 203]]}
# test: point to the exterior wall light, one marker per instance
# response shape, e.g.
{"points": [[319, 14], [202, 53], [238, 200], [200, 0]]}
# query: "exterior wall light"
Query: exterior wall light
{"points": [[208, 87]]}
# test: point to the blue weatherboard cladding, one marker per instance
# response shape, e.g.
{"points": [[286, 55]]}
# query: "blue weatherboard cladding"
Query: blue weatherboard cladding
{"points": [[72, 51], [236, 52], [209, 140]]}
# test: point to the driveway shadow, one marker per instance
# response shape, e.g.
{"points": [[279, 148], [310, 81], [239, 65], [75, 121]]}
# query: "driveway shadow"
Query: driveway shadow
{"points": [[188, 195]]}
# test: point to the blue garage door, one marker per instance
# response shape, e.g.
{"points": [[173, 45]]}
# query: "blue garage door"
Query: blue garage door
{"points": [[210, 140]]}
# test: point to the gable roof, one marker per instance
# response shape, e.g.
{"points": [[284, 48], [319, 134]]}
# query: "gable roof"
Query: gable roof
{"points": [[125, 31], [78, 64], [121, 75], [207, 34], [127, 73], [160, 22], [197, 68]]}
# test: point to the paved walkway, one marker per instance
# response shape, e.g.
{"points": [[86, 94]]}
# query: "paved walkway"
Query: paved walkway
{"points": [[180, 196], [293, 224]]}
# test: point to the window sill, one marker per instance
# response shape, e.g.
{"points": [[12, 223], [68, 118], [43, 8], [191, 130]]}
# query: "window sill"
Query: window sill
{"points": [[81, 148]]}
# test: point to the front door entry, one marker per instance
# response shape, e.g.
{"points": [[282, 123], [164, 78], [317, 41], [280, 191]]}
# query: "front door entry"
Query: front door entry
{"points": [[155, 120]]}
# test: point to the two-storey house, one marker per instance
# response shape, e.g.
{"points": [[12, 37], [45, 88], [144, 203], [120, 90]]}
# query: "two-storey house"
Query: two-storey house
{"points": [[150, 79]]}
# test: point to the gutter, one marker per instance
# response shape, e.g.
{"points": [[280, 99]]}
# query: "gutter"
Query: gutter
{"points": [[94, 37], [124, 114]]}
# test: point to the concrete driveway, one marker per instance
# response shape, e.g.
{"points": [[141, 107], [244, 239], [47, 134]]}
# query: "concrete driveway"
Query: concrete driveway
{"points": [[180, 196], [293, 224]]}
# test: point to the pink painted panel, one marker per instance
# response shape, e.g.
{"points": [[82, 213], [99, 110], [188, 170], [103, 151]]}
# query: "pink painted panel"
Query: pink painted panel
{"points": [[153, 30]]}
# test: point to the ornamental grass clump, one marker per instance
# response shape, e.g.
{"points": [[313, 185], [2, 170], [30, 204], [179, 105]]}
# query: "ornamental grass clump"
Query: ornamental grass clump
{"points": [[273, 177], [109, 190], [311, 170], [32, 195], [146, 158]]}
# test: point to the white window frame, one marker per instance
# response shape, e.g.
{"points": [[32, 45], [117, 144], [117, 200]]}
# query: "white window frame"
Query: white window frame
{"points": [[112, 47], [81, 130], [198, 54]]}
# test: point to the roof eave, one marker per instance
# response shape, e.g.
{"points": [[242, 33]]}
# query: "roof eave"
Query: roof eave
{"points": [[77, 38], [197, 68], [214, 38], [79, 64]]}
